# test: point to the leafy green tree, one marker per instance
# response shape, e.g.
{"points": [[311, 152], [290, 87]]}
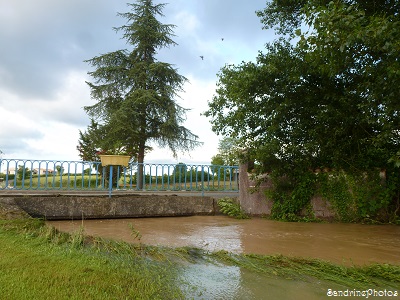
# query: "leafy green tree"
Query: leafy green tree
{"points": [[322, 95], [228, 152], [217, 160], [60, 170], [228, 155], [87, 171], [23, 173], [182, 173], [327, 100], [135, 93], [355, 44], [179, 173], [89, 143], [198, 175], [250, 106]]}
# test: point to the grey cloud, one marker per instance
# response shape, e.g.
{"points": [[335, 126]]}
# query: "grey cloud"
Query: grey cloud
{"points": [[45, 38], [43, 42], [235, 21], [69, 115], [9, 132], [13, 137], [13, 147]]}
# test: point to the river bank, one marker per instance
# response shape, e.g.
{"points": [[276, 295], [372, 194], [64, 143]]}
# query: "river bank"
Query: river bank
{"points": [[41, 262]]}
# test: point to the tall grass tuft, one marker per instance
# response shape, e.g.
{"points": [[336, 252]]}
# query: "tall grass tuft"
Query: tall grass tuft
{"points": [[77, 238], [135, 233]]}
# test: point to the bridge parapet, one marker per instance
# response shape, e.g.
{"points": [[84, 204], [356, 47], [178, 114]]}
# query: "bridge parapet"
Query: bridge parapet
{"points": [[57, 175], [81, 206]]}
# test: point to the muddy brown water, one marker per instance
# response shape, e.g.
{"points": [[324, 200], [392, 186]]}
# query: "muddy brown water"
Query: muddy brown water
{"points": [[339, 243]]}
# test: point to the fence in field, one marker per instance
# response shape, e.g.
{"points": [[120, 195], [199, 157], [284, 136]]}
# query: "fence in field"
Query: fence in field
{"points": [[26, 174]]}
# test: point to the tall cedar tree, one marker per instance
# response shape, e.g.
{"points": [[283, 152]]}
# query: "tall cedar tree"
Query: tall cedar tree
{"points": [[135, 93]]}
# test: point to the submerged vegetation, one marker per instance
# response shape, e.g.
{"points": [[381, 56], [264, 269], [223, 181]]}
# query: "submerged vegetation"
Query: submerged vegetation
{"points": [[377, 275], [38, 261]]}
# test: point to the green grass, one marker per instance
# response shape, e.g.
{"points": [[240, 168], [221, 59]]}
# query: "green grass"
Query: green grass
{"points": [[36, 262], [58, 182], [90, 182]]}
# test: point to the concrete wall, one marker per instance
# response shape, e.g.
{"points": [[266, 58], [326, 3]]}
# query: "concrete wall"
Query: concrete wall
{"points": [[254, 202], [54, 207]]}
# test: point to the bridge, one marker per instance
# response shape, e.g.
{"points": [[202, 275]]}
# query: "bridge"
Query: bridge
{"points": [[24, 174], [80, 189]]}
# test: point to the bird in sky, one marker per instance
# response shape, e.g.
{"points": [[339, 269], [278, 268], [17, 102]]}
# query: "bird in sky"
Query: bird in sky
{"points": [[222, 39], [202, 57]]}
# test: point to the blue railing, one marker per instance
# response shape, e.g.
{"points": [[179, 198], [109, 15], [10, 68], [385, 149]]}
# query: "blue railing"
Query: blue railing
{"points": [[26, 174]]}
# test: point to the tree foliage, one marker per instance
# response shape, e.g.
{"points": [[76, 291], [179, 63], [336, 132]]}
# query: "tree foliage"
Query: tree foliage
{"points": [[135, 93], [228, 153], [89, 143], [323, 95], [183, 173], [23, 173]]}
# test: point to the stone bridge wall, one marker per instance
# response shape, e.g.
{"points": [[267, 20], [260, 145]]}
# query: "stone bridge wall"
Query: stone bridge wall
{"points": [[254, 201], [53, 207]]}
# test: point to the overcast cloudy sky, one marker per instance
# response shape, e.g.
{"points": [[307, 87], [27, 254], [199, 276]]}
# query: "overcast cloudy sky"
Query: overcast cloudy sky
{"points": [[42, 71]]}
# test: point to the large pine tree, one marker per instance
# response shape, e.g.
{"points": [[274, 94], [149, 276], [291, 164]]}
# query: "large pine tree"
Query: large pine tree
{"points": [[135, 93]]}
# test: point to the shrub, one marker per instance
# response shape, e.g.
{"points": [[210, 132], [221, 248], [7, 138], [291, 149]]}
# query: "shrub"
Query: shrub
{"points": [[231, 208]]}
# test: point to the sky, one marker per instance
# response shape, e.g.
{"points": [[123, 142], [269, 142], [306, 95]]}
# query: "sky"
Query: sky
{"points": [[43, 73]]}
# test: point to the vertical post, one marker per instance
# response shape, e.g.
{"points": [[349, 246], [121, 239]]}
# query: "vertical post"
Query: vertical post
{"points": [[110, 182], [202, 181]]}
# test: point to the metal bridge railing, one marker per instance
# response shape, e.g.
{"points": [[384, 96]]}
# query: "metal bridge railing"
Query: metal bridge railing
{"points": [[27, 174]]}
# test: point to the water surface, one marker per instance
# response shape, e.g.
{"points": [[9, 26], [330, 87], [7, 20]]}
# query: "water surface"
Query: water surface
{"points": [[339, 243]]}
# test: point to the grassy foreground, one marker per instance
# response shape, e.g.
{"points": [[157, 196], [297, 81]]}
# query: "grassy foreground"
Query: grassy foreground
{"points": [[37, 262]]}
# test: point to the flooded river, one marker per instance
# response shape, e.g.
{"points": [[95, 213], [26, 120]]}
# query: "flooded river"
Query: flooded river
{"points": [[339, 243]]}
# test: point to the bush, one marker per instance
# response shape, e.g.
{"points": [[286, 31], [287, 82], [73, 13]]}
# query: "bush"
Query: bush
{"points": [[10, 176], [231, 208]]}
